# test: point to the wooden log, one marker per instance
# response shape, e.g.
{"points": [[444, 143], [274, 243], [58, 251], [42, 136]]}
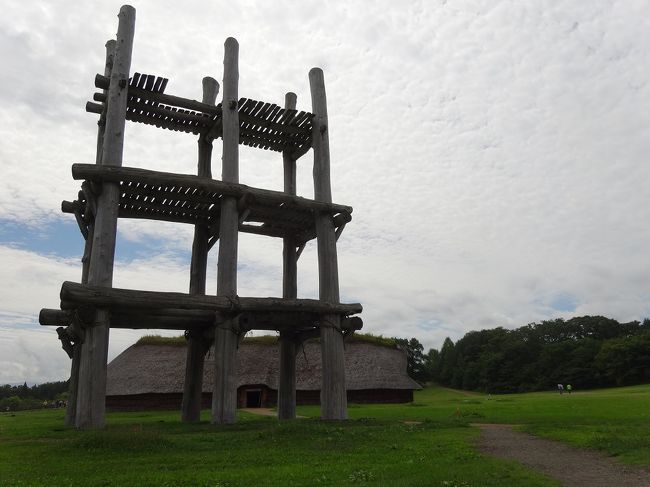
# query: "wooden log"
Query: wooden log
{"points": [[197, 320], [91, 400], [226, 188], [73, 385], [55, 317], [287, 390], [94, 107], [166, 114], [275, 320], [196, 344], [175, 101], [74, 295], [91, 206], [224, 395], [136, 319], [287, 385], [165, 319], [333, 392]]}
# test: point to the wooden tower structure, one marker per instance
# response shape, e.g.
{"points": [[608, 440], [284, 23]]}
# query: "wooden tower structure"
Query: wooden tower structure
{"points": [[218, 210]]}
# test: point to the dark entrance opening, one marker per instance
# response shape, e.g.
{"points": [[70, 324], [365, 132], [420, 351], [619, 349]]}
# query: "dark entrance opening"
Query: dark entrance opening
{"points": [[254, 398]]}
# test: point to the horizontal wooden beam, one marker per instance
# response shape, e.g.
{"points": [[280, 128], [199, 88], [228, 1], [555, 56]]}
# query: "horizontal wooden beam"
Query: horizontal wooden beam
{"points": [[55, 317], [115, 174], [74, 295], [183, 319]]}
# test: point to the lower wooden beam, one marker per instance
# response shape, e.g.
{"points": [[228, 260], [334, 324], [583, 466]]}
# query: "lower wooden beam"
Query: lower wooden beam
{"points": [[73, 295]]}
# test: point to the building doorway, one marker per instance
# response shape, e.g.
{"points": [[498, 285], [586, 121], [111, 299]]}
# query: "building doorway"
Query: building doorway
{"points": [[254, 398]]}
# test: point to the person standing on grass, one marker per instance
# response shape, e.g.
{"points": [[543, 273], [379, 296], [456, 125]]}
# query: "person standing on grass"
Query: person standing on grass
{"points": [[560, 388], [568, 388]]}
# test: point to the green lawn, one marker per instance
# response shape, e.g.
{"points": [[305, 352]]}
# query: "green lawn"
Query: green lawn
{"points": [[374, 448]]}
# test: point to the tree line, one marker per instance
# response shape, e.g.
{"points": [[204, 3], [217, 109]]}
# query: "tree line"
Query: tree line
{"points": [[18, 397], [586, 352]]}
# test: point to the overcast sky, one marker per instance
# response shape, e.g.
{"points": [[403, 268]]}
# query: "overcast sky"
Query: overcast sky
{"points": [[495, 154]]}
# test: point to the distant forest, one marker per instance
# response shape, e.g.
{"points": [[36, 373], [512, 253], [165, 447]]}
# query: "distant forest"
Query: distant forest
{"points": [[13, 398], [586, 352]]}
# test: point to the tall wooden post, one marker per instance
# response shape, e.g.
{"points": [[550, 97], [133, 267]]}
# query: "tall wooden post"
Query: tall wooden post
{"points": [[333, 392], [91, 400], [287, 389], [197, 344], [224, 396], [71, 409]]}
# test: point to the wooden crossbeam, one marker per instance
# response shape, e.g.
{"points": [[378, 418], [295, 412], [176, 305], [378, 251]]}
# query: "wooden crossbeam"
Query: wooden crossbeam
{"points": [[94, 172], [183, 319], [74, 295]]}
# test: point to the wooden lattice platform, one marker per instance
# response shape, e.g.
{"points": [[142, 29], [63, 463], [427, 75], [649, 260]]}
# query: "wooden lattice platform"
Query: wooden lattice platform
{"points": [[262, 125], [181, 198]]}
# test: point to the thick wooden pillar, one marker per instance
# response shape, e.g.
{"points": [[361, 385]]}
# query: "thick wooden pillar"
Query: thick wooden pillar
{"points": [[197, 344], [71, 409], [91, 396], [224, 396], [333, 392], [287, 386]]}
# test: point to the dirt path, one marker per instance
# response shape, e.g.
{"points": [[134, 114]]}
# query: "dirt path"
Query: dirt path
{"points": [[571, 466]]}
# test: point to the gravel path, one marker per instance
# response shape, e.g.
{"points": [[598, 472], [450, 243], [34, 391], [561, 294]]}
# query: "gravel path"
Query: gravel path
{"points": [[571, 466]]}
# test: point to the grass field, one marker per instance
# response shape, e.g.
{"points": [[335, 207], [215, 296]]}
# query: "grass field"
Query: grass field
{"points": [[375, 448]]}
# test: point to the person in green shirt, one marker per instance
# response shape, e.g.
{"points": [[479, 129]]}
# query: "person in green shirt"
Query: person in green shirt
{"points": [[568, 388]]}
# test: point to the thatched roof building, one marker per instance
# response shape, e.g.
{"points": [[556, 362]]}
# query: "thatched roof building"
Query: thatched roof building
{"points": [[150, 373]]}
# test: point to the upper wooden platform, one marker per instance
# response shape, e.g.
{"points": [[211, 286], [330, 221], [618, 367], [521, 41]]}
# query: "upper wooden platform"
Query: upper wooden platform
{"points": [[184, 198], [264, 125]]}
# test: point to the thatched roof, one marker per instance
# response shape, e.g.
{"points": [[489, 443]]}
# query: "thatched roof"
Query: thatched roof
{"points": [[158, 366]]}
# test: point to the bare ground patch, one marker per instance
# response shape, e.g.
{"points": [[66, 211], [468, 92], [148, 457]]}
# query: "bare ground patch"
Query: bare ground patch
{"points": [[571, 466]]}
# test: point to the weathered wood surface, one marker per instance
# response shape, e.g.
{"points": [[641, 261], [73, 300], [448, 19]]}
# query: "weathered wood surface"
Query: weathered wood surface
{"points": [[175, 101], [73, 386], [262, 125], [74, 294], [55, 317], [185, 204], [333, 392], [196, 342], [184, 319], [287, 385], [224, 394], [91, 400], [195, 183]]}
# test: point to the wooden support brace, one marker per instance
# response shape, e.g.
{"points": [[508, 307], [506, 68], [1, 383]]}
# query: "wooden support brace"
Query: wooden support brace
{"points": [[212, 241], [301, 151], [243, 215], [301, 247], [339, 231], [83, 226], [66, 341]]}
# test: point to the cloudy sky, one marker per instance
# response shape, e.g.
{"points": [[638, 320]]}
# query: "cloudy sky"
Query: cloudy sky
{"points": [[495, 154]]}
